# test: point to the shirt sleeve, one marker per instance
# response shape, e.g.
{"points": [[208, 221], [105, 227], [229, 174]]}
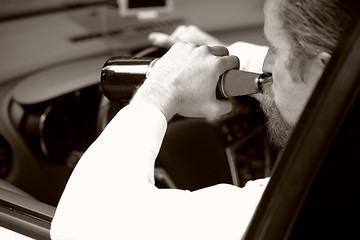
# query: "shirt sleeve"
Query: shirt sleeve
{"points": [[251, 56]]}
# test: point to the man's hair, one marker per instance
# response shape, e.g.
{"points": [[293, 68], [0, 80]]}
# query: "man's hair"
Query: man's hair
{"points": [[314, 26]]}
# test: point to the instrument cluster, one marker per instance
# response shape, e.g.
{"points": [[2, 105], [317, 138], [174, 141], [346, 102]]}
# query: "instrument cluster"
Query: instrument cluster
{"points": [[56, 128]]}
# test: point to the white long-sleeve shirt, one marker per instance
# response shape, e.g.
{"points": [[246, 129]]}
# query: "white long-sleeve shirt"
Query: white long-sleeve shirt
{"points": [[111, 192]]}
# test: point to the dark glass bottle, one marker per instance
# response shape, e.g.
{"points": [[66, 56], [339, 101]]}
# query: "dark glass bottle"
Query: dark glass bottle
{"points": [[122, 76]]}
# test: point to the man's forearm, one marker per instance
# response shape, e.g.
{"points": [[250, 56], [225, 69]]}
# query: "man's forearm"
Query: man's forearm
{"points": [[115, 170]]}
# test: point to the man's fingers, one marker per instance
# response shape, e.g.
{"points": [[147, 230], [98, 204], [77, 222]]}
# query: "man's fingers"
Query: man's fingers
{"points": [[165, 40], [178, 32], [218, 108], [161, 40], [219, 51], [230, 62]]}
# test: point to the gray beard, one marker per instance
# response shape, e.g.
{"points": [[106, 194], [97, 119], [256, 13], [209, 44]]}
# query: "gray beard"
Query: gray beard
{"points": [[278, 129]]}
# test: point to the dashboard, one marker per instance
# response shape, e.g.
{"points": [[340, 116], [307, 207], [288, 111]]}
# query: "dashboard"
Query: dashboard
{"points": [[48, 120]]}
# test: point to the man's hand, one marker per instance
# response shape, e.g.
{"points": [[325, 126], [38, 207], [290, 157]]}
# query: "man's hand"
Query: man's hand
{"points": [[184, 80], [188, 34]]}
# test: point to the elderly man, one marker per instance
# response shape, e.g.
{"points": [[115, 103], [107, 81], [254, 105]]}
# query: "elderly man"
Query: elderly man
{"points": [[111, 193]]}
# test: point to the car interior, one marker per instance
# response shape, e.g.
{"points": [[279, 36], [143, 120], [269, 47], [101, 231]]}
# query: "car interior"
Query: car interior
{"points": [[52, 108]]}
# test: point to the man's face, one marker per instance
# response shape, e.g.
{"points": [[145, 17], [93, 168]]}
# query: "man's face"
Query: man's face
{"points": [[285, 97]]}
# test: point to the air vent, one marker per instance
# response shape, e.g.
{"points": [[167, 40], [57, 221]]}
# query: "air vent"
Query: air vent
{"points": [[5, 157]]}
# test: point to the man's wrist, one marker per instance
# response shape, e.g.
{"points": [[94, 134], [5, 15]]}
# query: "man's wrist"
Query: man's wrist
{"points": [[159, 98]]}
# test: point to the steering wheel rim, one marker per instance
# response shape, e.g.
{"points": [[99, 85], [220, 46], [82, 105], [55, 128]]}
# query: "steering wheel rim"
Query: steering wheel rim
{"points": [[152, 51]]}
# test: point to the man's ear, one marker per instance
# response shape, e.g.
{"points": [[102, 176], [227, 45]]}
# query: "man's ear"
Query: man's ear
{"points": [[324, 57]]}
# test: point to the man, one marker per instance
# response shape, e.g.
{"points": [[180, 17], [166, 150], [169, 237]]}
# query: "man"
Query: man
{"points": [[111, 193]]}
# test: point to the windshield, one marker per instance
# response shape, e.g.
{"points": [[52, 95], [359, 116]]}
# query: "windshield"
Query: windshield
{"points": [[15, 9]]}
